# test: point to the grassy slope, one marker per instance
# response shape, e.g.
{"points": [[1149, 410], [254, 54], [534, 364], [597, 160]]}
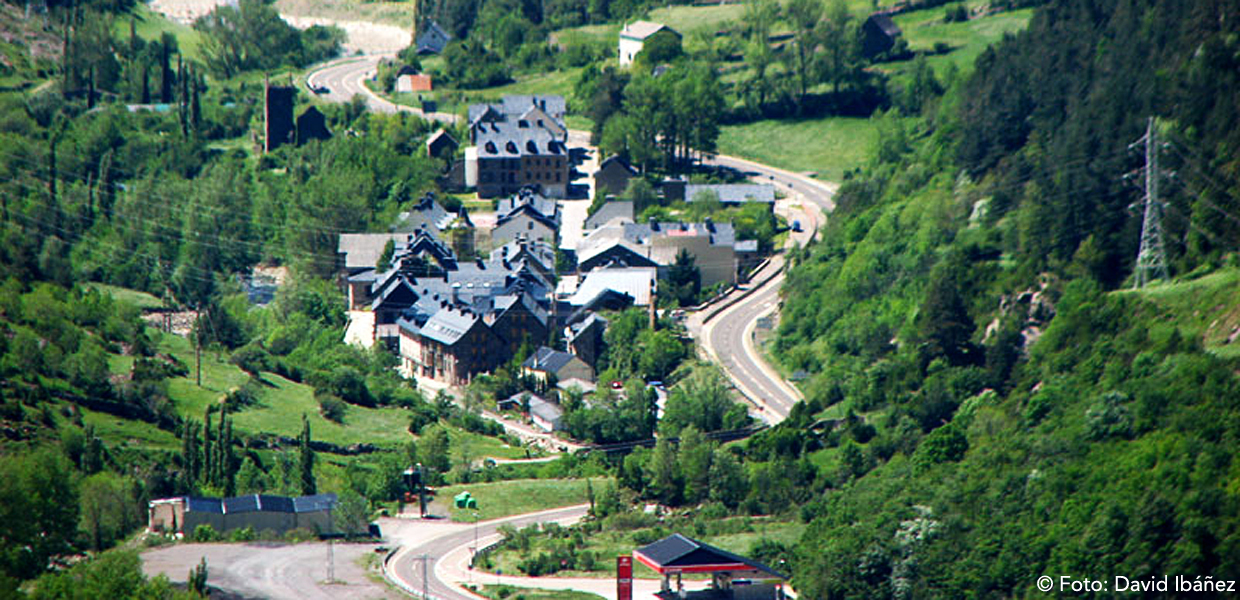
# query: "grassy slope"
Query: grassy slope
{"points": [[924, 28], [280, 405], [151, 25], [828, 146], [1205, 308], [507, 498], [833, 145]]}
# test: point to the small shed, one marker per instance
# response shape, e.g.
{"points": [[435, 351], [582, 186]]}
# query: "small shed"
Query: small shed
{"points": [[878, 34], [414, 83], [432, 39], [548, 416], [441, 144], [312, 125]]}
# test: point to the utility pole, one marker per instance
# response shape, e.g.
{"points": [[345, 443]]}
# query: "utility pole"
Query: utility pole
{"points": [[197, 333], [1152, 256], [424, 558], [331, 561]]}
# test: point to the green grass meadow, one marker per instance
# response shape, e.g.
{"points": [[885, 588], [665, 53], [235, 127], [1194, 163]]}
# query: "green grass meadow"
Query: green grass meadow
{"points": [[150, 25], [506, 498], [827, 146]]}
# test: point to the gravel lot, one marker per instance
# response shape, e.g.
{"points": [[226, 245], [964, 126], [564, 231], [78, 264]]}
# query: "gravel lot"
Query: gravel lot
{"points": [[272, 570]]}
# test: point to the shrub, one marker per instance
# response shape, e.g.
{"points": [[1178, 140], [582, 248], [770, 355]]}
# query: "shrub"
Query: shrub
{"points": [[244, 534], [331, 407], [205, 533]]}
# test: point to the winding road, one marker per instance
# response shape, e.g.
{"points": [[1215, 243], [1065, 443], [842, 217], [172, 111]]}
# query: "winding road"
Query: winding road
{"points": [[726, 332]]}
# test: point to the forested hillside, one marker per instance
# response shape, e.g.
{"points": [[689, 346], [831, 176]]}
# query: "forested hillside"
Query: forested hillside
{"points": [[1029, 417]]}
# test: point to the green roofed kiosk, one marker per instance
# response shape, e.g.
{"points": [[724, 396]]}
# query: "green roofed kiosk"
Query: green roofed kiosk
{"points": [[733, 577]]}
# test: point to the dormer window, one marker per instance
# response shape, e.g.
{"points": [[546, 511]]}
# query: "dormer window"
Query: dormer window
{"points": [[511, 147], [531, 147], [523, 124], [490, 147]]}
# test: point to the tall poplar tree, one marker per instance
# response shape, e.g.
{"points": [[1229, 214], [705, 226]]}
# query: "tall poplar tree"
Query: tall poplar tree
{"points": [[308, 485]]}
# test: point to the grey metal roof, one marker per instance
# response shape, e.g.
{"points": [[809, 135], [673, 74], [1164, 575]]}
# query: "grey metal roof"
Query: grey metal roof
{"points": [[721, 234], [734, 193], [545, 410], [205, 505], [621, 210], [448, 325], [317, 502], [258, 502], [633, 281], [547, 360], [531, 198]]}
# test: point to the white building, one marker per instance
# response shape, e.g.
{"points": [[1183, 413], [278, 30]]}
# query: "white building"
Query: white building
{"points": [[634, 35]]}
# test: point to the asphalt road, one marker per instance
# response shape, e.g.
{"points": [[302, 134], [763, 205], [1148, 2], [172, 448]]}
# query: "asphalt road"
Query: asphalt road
{"points": [[343, 79], [405, 568], [728, 335]]}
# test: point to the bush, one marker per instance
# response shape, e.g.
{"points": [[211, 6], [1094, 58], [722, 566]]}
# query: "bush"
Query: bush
{"points": [[244, 534], [205, 533], [331, 407], [250, 358]]}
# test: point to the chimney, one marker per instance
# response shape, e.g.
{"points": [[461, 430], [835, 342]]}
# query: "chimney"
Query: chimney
{"points": [[456, 292], [710, 224], [654, 224]]}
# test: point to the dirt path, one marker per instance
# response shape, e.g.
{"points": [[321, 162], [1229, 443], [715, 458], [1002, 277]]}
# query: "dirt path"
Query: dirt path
{"points": [[362, 36]]}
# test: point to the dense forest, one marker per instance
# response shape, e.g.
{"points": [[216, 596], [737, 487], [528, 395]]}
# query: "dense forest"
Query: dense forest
{"points": [[1028, 416]]}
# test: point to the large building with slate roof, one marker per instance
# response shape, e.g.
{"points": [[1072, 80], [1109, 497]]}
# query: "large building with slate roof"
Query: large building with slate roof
{"points": [[261, 512], [520, 141]]}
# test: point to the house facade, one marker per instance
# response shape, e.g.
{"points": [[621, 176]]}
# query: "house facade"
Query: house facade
{"points": [[634, 36], [613, 175], [527, 215], [546, 362]]}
